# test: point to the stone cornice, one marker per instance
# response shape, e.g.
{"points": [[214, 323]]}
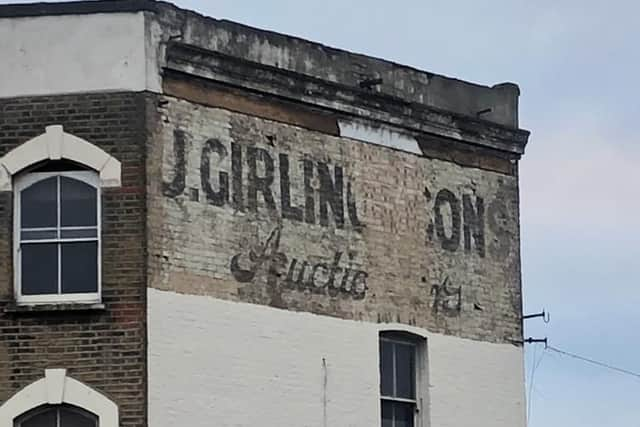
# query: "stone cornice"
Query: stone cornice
{"points": [[346, 100]]}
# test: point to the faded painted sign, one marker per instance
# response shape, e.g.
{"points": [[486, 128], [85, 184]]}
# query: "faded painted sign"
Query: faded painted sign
{"points": [[264, 212]]}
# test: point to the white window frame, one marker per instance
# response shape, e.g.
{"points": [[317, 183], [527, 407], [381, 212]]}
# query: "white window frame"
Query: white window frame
{"points": [[20, 183], [419, 344]]}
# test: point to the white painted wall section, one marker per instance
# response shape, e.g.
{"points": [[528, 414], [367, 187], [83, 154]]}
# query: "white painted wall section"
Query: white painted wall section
{"points": [[379, 136], [475, 383], [72, 53], [215, 362]]}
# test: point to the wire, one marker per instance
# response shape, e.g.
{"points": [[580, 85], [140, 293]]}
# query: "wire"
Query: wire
{"points": [[540, 360], [595, 362], [534, 368]]}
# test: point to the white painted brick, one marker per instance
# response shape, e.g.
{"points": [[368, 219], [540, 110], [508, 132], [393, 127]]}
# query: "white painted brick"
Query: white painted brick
{"points": [[220, 363]]}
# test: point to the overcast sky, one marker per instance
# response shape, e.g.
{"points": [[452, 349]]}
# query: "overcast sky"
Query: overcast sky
{"points": [[576, 63]]}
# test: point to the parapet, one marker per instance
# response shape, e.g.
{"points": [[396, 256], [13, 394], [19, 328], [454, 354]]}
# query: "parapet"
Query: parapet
{"points": [[165, 23]]}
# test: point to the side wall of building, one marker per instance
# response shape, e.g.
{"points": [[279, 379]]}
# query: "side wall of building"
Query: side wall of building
{"points": [[104, 348], [279, 248], [250, 365], [278, 240]]}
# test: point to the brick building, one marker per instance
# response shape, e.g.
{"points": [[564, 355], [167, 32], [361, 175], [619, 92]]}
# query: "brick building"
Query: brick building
{"points": [[206, 224]]}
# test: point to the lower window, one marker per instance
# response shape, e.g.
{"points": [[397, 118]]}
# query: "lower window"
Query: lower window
{"points": [[398, 414], [57, 416], [398, 379]]}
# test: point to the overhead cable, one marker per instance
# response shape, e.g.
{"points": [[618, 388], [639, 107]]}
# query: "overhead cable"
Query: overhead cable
{"points": [[595, 362]]}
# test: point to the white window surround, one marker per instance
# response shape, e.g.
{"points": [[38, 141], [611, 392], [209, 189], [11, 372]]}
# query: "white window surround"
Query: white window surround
{"points": [[25, 181], [55, 144], [57, 388], [420, 339]]}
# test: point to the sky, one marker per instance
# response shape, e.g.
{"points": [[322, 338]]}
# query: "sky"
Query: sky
{"points": [[576, 63]]}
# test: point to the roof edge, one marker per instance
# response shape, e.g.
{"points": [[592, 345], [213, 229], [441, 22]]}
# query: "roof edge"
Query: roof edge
{"points": [[497, 103], [76, 8]]}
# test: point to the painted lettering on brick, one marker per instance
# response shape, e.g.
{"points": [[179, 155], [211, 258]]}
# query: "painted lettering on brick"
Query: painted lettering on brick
{"points": [[447, 299], [333, 277], [262, 212], [497, 220], [458, 221], [257, 172]]}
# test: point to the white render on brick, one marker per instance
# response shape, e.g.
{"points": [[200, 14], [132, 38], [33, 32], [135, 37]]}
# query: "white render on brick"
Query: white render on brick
{"points": [[379, 135], [72, 54], [246, 365]]}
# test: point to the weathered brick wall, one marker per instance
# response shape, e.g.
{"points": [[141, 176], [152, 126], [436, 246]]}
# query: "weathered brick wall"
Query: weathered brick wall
{"points": [[104, 349], [259, 211]]}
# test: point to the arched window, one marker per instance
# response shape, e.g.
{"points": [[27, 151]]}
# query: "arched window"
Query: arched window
{"points": [[57, 416], [57, 236], [57, 179]]}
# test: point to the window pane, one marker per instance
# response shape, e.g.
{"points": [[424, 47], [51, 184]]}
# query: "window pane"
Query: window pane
{"points": [[79, 234], [39, 268], [38, 204], [79, 267], [404, 414], [386, 368], [70, 418], [43, 419], [77, 203], [39, 234], [405, 372], [387, 413]]}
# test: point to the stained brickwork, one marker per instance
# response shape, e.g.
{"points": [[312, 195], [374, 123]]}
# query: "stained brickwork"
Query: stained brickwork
{"points": [[105, 348], [254, 210]]}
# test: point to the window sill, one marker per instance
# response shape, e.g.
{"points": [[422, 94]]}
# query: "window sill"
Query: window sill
{"points": [[54, 307]]}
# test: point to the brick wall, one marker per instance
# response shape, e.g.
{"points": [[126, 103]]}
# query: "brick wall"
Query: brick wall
{"points": [[262, 211], [103, 348]]}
